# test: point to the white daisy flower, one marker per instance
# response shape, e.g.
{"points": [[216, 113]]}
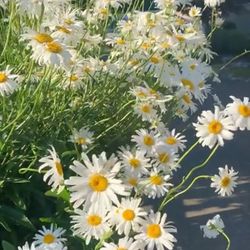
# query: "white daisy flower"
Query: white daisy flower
{"points": [[135, 162], [214, 128], [54, 170], [156, 233], [36, 39], [123, 244], [90, 224], [83, 137], [225, 182], [186, 101], [165, 158], [46, 50], [131, 180], [210, 229], [213, 3], [52, 53], [193, 82], [30, 7], [73, 81], [141, 93], [194, 11], [67, 35], [8, 82], [27, 247], [146, 111], [130, 216], [175, 141], [240, 112], [145, 140], [96, 183], [49, 238], [156, 185]]}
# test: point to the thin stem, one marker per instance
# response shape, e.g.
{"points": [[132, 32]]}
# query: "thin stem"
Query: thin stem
{"points": [[164, 203], [186, 153], [234, 58], [226, 237], [185, 178], [9, 29]]}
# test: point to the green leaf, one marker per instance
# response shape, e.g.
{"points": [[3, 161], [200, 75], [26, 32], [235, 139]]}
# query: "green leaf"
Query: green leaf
{"points": [[64, 194], [4, 224], [7, 246], [69, 153], [46, 219], [16, 216], [17, 200], [17, 180], [2, 183]]}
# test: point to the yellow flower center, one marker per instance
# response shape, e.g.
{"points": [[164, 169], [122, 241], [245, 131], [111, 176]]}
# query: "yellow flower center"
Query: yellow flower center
{"points": [[54, 47], [43, 38], [201, 84], [3, 77], [120, 41], [180, 38], [156, 180], [98, 183], [133, 182], [69, 21], [165, 45], [81, 141], [151, 23], [94, 220], [73, 78], [187, 83], [193, 12], [148, 140], [135, 163], [87, 69], [104, 11], [128, 214], [171, 140], [155, 59], [225, 182], [141, 94], [146, 108], [193, 66], [153, 231], [186, 99], [146, 46], [134, 62], [122, 248], [48, 238], [180, 21], [59, 168], [64, 30], [163, 157], [154, 93], [244, 110], [215, 127]]}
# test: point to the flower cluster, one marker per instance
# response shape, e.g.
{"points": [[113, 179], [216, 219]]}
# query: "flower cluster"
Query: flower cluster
{"points": [[91, 58]]}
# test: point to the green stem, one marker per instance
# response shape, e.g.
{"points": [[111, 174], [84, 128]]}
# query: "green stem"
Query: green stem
{"points": [[9, 29], [234, 58], [185, 178], [186, 154], [165, 202], [226, 237]]}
